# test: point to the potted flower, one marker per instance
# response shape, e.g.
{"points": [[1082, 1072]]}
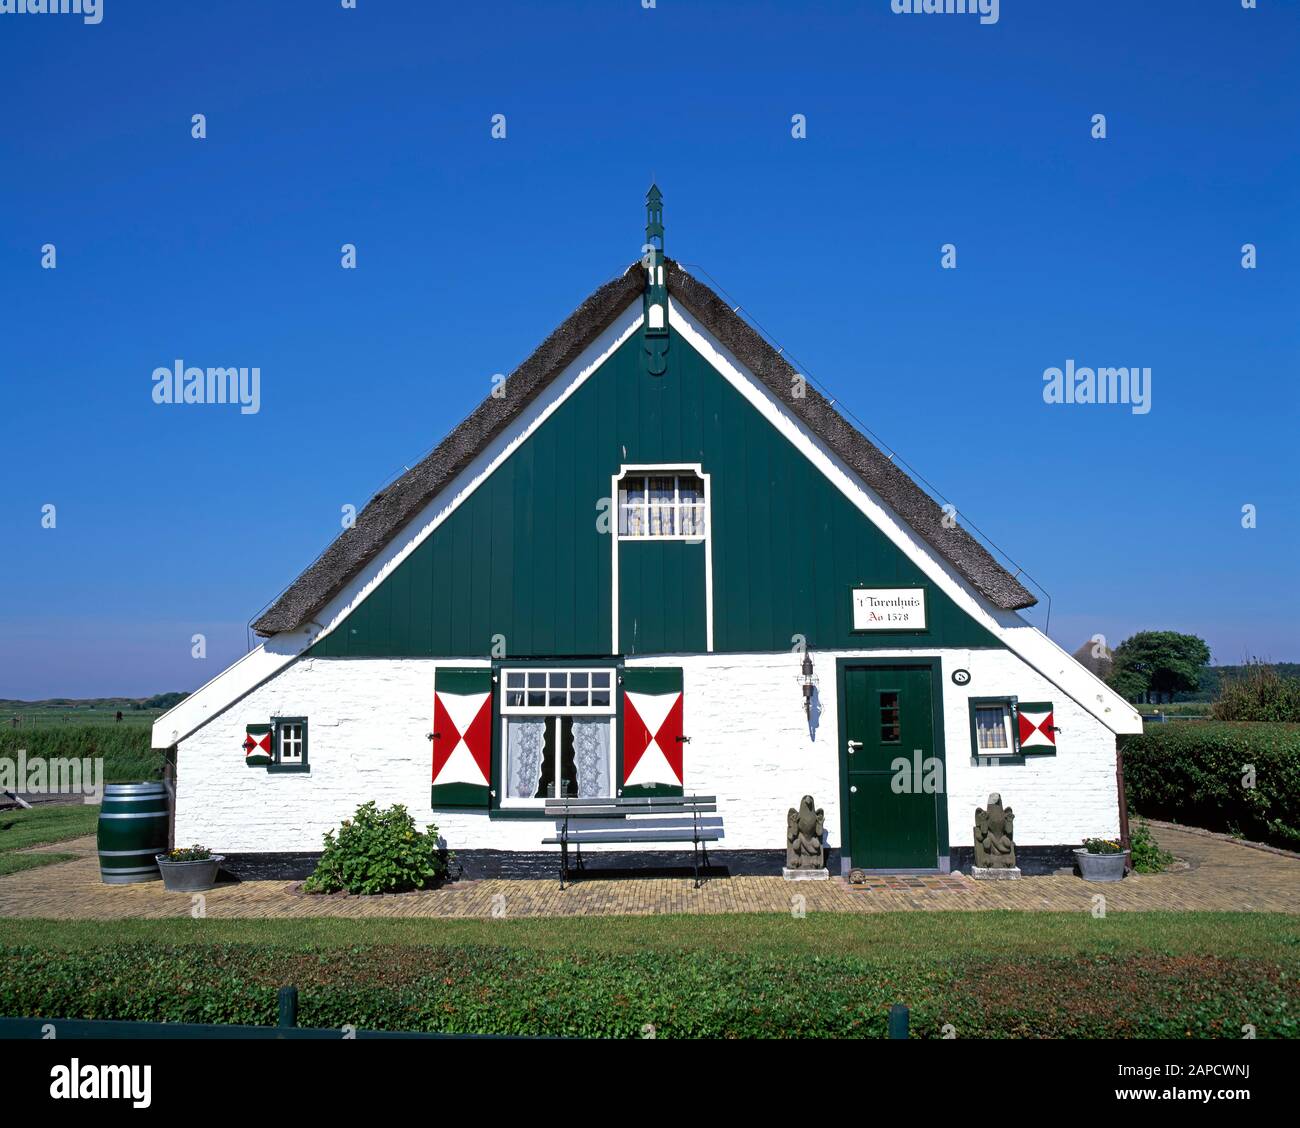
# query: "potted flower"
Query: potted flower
{"points": [[189, 869], [1101, 859]]}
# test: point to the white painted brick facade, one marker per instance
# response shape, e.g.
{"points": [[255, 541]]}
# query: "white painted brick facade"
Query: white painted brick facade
{"points": [[750, 745]]}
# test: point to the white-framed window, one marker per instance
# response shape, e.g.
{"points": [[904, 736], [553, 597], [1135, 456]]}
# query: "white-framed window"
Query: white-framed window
{"points": [[991, 723], [557, 734], [662, 504], [289, 748]]}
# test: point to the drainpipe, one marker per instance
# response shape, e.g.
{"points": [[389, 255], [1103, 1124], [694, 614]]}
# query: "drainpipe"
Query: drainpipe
{"points": [[1123, 799]]}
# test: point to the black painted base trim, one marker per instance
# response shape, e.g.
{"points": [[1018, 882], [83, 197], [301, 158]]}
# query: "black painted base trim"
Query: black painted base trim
{"points": [[1034, 861], [477, 864], [269, 867]]}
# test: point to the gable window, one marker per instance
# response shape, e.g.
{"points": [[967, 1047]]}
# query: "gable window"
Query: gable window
{"points": [[557, 734], [992, 728], [661, 504], [289, 747]]}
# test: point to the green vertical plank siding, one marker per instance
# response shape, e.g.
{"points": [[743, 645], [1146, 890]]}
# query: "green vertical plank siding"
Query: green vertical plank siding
{"points": [[522, 556]]}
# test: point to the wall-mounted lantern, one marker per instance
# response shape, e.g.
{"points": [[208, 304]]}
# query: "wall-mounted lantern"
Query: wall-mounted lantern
{"points": [[807, 682]]}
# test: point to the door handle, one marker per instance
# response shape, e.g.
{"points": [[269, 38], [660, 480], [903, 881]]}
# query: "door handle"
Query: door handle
{"points": [[853, 789], [853, 746]]}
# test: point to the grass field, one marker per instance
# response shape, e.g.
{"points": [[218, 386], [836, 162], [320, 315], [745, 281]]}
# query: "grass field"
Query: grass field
{"points": [[39, 827], [125, 749], [985, 973]]}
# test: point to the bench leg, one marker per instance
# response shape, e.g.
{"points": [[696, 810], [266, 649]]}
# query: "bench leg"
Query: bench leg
{"points": [[564, 861], [695, 860]]}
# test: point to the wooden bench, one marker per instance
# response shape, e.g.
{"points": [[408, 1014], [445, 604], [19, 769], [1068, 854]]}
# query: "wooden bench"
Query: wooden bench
{"points": [[594, 822]]}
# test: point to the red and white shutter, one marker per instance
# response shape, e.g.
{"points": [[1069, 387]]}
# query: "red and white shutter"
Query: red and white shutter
{"points": [[257, 745], [1037, 729], [653, 742], [462, 738]]}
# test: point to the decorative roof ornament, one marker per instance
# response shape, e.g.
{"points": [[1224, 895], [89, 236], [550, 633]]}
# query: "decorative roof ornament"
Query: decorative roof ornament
{"points": [[656, 291]]}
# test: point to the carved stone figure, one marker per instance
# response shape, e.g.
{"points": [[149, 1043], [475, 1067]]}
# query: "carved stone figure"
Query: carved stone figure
{"points": [[803, 836], [995, 846]]}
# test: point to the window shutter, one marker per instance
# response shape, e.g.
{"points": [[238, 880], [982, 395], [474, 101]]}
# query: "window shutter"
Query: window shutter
{"points": [[257, 745], [1035, 726], [462, 738], [653, 743]]}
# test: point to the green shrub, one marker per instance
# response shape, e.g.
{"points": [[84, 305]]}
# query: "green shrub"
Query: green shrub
{"points": [[1146, 856], [664, 993], [378, 852], [1258, 693], [1236, 777]]}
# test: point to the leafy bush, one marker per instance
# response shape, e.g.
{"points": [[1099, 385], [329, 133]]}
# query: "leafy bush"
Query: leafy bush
{"points": [[1258, 693], [665, 993], [1146, 856], [1102, 846], [378, 852], [1235, 777]]}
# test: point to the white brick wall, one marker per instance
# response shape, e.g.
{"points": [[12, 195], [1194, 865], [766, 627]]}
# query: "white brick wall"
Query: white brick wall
{"points": [[749, 744]]}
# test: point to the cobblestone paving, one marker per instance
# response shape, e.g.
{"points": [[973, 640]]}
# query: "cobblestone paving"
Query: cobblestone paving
{"points": [[1216, 874]]}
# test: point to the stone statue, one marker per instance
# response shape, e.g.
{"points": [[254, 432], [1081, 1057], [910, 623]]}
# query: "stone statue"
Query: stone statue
{"points": [[995, 847], [803, 836]]}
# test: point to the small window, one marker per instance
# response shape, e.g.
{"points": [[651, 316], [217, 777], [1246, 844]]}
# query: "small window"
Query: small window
{"points": [[991, 728], [661, 505], [290, 747], [889, 730]]}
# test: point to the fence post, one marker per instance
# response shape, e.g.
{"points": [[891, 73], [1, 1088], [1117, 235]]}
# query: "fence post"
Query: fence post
{"points": [[288, 1006], [898, 1018]]}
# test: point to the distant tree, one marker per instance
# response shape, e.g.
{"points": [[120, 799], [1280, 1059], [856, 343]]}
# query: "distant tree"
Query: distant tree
{"points": [[1158, 662]]}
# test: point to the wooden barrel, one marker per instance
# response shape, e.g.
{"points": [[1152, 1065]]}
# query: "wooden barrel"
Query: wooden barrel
{"points": [[132, 830]]}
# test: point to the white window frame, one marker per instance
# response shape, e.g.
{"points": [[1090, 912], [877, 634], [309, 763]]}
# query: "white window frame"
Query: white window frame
{"points": [[658, 470], [676, 473], [1008, 705], [552, 714]]}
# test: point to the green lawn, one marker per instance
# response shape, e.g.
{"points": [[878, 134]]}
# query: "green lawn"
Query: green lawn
{"points": [[38, 827], [13, 863], [997, 974], [46, 823]]}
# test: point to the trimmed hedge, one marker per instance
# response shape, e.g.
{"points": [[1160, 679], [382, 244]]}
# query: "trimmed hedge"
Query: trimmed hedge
{"points": [[125, 749], [1198, 774], [478, 988]]}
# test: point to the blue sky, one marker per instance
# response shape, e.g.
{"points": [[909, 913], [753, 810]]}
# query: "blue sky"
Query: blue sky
{"points": [[372, 126]]}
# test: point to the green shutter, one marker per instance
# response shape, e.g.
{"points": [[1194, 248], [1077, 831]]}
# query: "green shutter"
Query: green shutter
{"points": [[652, 757], [461, 741]]}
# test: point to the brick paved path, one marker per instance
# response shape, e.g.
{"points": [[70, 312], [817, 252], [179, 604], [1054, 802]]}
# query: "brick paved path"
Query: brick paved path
{"points": [[1218, 875]]}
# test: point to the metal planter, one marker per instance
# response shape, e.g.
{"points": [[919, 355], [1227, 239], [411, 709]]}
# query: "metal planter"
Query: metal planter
{"points": [[1101, 867], [189, 877]]}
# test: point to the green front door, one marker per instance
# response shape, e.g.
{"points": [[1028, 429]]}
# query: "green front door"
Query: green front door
{"points": [[893, 768]]}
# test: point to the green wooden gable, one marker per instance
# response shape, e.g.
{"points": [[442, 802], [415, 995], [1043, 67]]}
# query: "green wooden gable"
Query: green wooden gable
{"points": [[524, 563]]}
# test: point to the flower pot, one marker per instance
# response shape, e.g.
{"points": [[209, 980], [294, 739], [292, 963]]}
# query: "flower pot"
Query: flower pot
{"points": [[189, 877], [1101, 867]]}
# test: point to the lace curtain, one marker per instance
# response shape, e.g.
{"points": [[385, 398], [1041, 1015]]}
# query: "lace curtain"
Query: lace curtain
{"points": [[591, 756], [525, 741]]}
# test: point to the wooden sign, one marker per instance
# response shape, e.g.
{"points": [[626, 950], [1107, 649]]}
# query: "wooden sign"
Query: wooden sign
{"points": [[889, 609]]}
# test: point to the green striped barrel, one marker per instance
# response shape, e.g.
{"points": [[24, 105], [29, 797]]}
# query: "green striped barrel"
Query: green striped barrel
{"points": [[132, 830]]}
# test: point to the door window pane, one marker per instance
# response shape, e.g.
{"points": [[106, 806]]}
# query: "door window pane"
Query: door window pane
{"points": [[889, 727]]}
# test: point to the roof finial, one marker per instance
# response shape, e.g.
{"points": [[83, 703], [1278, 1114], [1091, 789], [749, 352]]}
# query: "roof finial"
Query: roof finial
{"points": [[654, 219], [656, 291]]}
